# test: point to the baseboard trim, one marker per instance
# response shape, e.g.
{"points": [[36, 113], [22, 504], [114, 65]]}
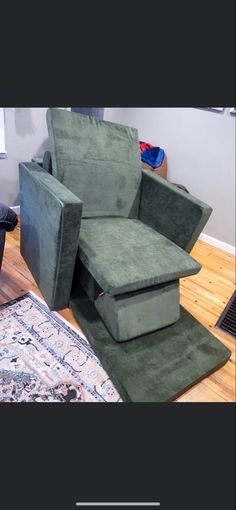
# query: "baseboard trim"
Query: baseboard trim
{"points": [[218, 244], [16, 209]]}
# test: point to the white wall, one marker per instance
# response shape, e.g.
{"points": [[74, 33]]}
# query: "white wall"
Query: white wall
{"points": [[25, 137], [200, 147]]}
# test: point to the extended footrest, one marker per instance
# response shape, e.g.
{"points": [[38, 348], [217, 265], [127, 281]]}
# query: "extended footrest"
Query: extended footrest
{"points": [[130, 315]]}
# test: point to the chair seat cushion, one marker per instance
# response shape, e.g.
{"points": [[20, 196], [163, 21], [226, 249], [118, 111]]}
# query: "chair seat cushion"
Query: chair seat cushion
{"points": [[125, 255]]}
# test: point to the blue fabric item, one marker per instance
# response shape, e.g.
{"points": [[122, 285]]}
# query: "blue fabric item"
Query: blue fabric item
{"points": [[153, 157]]}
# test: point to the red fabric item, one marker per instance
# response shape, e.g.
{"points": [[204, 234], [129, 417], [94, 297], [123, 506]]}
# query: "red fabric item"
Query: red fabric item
{"points": [[144, 146]]}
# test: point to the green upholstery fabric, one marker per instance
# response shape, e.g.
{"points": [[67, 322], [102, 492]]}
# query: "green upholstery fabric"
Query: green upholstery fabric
{"points": [[125, 255], [98, 161], [135, 231], [156, 367], [47, 162], [172, 212], [50, 223], [130, 315]]}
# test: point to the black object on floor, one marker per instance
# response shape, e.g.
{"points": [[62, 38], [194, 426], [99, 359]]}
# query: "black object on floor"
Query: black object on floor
{"points": [[8, 218], [8, 221], [156, 367], [227, 320]]}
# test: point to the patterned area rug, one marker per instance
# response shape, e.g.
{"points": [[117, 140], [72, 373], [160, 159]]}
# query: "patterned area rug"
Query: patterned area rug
{"points": [[44, 359]]}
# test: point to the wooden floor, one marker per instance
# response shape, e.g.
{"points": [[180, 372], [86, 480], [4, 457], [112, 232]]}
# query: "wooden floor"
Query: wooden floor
{"points": [[204, 295]]}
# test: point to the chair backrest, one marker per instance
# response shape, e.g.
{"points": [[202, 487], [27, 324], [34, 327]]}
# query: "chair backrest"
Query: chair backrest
{"points": [[98, 161]]}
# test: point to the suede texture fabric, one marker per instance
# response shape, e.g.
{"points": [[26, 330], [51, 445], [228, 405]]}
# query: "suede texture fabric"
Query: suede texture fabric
{"points": [[98, 161], [170, 211], [47, 162], [135, 231], [125, 255], [130, 315], [50, 224], [156, 367]]}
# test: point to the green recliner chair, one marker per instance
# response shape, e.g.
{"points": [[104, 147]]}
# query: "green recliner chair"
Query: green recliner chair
{"points": [[91, 217]]}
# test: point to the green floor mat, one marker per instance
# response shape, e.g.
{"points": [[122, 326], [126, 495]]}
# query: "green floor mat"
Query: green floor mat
{"points": [[156, 367]]}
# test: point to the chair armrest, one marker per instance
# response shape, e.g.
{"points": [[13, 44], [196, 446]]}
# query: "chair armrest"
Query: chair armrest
{"points": [[171, 211], [50, 226]]}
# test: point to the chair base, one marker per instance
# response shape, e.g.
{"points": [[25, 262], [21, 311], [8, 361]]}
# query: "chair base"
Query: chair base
{"points": [[131, 315]]}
